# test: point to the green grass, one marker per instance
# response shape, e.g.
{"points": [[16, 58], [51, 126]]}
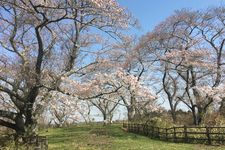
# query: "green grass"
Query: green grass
{"points": [[110, 138]]}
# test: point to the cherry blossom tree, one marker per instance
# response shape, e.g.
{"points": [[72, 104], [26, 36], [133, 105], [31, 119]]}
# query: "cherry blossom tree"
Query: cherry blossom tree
{"points": [[84, 111], [189, 45], [106, 106], [43, 41], [62, 109], [135, 96], [110, 88], [137, 68]]}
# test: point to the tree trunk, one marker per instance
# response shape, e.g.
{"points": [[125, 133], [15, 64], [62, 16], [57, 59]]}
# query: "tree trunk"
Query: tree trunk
{"points": [[104, 118], [222, 108], [20, 125], [200, 115], [131, 113], [25, 126], [110, 118], [195, 120], [174, 117], [24, 131]]}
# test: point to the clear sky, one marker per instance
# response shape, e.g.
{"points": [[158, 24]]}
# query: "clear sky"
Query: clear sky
{"points": [[151, 12]]}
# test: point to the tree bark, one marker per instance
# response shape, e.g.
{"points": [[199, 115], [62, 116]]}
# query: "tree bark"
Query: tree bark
{"points": [[131, 113]]}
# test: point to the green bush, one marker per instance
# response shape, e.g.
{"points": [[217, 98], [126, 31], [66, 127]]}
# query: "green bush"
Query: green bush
{"points": [[160, 122]]}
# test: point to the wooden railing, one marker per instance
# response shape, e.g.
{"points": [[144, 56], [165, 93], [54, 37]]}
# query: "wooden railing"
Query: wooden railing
{"points": [[186, 134]]}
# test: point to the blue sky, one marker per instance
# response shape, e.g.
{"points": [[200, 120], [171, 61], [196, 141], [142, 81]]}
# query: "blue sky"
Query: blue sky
{"points": [[151, 12]]}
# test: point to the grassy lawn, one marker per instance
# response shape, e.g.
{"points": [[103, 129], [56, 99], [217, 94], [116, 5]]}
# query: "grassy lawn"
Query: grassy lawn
{"points": [[109, 138]]}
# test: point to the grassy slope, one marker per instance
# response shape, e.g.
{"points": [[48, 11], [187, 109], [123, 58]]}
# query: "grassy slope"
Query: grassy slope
{"points": [[109, 138]]}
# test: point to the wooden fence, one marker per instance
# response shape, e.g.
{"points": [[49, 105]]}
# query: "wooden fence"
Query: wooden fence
{"points": [[186, 134]]}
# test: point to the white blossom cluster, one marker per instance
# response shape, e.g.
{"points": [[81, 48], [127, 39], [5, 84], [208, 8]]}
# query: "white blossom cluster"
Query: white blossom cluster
{"points": [[216, 93]]}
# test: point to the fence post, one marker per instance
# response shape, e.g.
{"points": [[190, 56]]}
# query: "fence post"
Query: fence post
{"points": [[208, 135], [147, 130], [135, 128], [174, 134], [158, 134], [153, 131], [143, 129], [138, 128], [166, 134], [185, 134], [150, 131], [132, 127], [129, 127]]}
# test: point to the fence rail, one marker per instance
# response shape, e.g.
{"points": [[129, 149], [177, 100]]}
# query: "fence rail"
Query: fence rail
{"points": [[186, 134]]}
